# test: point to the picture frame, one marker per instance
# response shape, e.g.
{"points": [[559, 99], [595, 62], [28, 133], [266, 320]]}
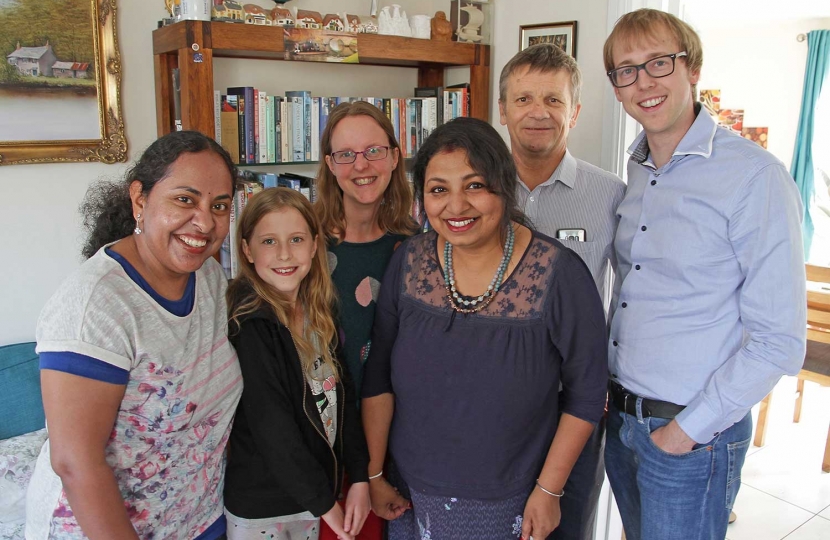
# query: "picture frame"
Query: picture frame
{"points": [[61, 87], [562, 34]]}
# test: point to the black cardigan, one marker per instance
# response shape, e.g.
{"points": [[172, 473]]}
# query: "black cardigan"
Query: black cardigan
{"points": [[279, 461]]}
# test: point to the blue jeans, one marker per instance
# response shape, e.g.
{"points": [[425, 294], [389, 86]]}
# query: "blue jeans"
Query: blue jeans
{"points": [[664, 496]]}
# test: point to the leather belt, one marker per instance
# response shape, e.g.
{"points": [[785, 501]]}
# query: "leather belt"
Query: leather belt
{"points": [[626, 401]]}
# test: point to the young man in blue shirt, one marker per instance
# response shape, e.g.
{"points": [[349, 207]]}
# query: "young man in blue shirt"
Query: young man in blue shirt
{"points": [[709, 308]]}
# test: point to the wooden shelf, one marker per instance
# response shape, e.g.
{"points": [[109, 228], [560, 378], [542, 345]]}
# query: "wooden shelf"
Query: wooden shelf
{"points": [[173, 48]]}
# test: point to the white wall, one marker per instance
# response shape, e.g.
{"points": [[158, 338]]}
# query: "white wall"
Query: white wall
{"points": [[759, 67], [40, 235]]}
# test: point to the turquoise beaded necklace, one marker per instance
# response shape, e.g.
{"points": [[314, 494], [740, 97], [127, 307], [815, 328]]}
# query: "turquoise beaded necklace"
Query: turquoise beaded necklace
{"points": [[466, 305]]}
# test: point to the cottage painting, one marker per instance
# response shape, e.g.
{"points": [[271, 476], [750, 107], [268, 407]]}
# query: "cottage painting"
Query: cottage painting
{"points": [[48, 87]]}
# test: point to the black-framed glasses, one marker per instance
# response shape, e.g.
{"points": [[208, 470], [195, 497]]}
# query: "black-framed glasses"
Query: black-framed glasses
{"points": [[373, 153], [662, 66]]}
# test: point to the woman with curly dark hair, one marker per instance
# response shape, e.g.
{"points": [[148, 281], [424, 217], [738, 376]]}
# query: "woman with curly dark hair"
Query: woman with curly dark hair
{"points": [[140, 383]]}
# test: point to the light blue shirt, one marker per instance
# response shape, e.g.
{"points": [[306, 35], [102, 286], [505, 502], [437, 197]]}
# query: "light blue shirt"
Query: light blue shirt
{"points": [[709, 306], [579, 196]]}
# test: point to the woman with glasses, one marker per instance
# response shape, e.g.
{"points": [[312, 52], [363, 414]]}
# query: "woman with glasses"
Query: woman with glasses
{"points": [[364, 205]]}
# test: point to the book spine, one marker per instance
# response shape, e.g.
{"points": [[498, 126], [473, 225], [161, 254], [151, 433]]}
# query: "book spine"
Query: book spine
{"points": [[298, 123], [285, 129], [217, 118], [315, 129], [262, 129], [278, 129], [177, 99], [269, 129]]}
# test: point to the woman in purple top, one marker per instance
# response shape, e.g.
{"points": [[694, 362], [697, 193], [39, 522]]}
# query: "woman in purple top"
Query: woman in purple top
{"points": [[478, 323]]}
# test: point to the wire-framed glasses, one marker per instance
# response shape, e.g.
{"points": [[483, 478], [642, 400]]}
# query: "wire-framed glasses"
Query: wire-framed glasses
{"points": [[662, 66], [373, 153]]}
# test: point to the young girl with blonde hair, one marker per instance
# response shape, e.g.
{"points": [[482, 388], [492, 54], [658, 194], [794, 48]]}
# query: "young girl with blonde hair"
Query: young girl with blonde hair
{"points": [[296, 429]]}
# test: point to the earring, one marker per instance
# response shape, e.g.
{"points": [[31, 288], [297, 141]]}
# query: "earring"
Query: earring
{"points": [[137, 229]]}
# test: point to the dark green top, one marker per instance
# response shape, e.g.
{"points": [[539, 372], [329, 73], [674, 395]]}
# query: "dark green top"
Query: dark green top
{"points": [[357, 270]]}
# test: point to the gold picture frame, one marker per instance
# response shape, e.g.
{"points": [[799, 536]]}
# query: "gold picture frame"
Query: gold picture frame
{"points": [[111, 144], [562, 34]]}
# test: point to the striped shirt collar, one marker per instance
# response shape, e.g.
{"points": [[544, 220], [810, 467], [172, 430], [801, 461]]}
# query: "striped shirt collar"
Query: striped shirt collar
{"points": [[565, 173], [697, 141]]}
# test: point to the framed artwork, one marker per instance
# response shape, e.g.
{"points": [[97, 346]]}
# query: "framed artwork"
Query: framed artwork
{"points": [[561, 34], [60, 82]]}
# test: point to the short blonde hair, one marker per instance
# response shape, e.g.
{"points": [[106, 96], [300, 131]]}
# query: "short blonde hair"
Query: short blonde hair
{"points": [[644, 24]]}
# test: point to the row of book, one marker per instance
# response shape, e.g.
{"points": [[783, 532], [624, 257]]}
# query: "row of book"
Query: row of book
{"points": [[248, 184], [257, 128]]}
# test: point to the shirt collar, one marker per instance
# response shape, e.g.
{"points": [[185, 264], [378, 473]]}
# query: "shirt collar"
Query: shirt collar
{"points": [[565, 173], [697, 141]]}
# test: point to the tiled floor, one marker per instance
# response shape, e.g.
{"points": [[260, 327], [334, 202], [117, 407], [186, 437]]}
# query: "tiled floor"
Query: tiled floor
{"points": [[784, 493]]}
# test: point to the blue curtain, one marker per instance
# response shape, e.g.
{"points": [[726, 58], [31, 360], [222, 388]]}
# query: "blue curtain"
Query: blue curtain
{"points": [[818, 69]]}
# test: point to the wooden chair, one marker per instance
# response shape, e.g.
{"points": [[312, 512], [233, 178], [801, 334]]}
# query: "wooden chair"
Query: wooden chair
{"points": [[817, 360]]}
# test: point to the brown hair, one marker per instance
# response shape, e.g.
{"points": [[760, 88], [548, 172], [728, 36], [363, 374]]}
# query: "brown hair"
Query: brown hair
{"points": [[316, 293], [394, 215], [543, 58], [644, 24]]}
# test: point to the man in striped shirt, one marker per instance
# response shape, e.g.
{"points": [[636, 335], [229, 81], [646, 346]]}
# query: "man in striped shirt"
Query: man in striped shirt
{"points": [[568, 199]]}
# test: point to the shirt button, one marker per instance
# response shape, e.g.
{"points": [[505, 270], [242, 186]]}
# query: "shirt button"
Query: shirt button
{"points": [[637, 267], [643, 228], [654, 182], [624, 304], [615, 343], [531, 199]]}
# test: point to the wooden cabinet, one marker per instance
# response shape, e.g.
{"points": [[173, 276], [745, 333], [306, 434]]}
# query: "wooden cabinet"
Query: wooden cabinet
{"points": [[174, 47]]}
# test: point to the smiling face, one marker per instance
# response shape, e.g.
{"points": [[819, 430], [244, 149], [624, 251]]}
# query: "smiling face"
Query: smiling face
{"points": [[363, 182], [459, 207], [664, 106], [185, 217], [282, 248], [538, 112]]}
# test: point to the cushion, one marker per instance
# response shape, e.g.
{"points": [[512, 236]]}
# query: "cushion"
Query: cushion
{"points": [[817, 358], [18, 456], [20, 398]]}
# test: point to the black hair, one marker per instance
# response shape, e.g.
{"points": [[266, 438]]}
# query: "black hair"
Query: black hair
{"points": [[487, 155], [107, 209]]}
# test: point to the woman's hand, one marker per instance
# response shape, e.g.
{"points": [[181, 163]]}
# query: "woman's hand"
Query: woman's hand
{"points": [[387, 503], [542, 515], [334, 519], [357, 507]]}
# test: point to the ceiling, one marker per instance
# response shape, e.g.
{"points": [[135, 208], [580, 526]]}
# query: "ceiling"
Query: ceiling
{"points": [[730, 12]]}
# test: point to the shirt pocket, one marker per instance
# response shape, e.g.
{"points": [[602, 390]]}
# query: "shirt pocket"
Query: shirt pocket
{"points": [[587, 251]]}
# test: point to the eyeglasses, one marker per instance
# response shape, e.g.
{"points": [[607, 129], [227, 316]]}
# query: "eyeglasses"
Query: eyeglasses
{"points": [[662, 66], [373, 153]]}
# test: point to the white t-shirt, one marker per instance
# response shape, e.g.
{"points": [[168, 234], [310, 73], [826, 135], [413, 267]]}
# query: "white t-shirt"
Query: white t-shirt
{"points": [[168, 442]]}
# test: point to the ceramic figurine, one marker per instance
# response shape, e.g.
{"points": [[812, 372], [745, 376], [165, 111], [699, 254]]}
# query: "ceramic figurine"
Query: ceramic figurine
{"points": [[227, 11], [308, 19], [352, 22], [420, 25], [472, 30], [281, 17], [441, 27], [333, 22], [254, 14]]}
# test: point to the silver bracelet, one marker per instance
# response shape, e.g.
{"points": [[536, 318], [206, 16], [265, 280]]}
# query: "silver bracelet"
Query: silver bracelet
{"points": [[378, 475], [552, 494]]}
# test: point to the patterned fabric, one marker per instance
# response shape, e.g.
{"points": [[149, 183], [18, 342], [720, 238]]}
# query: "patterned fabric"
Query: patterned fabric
{"points": [[17, 463], [167, 446], [303, 526], [324, 390], [451, 518], [357, 270]]}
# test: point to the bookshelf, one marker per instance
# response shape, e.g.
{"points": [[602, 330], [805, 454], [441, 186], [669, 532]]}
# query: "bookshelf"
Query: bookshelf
{"points": [[173, 47]]}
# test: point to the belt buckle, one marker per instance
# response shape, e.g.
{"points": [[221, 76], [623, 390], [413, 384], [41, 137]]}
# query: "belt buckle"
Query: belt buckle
{"points": [[625, 402]]}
